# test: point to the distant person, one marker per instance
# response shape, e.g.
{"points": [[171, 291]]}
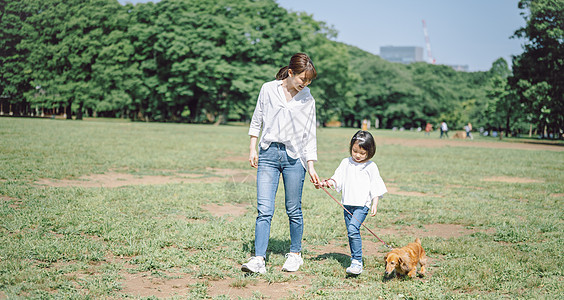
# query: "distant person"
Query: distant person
{"points": [[444, 129], [285, 111], [365, 124], [468, 129], [358, 179], [428, 128]]}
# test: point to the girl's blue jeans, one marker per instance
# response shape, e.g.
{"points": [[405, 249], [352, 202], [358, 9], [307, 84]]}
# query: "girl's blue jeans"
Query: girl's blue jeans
{"points": [[273, 162], [353, 228]]}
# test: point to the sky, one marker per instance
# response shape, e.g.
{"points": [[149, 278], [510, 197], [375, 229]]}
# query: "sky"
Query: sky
{"points": [[461, 32]]}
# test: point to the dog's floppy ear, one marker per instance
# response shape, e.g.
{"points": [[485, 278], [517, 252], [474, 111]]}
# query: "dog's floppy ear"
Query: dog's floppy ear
{"points": [[386, 258], [404, 262]]}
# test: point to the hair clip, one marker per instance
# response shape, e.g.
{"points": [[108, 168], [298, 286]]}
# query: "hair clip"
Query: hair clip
{"points": [[360, 139]]}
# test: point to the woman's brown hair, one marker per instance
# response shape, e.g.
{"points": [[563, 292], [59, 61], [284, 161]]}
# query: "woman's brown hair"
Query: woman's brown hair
{"points": [[299, 63]]}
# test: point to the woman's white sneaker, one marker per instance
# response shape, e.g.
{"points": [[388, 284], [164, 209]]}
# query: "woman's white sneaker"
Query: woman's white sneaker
{"points": [[255, 265], [293, 262]]}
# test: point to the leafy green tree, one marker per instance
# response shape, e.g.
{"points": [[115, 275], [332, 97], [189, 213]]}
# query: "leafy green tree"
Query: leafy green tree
{"points": [[204, 61], [333, 88], [381, 91], [207, 55], [503, 109], [537, 72], [116, 78], [64, 44], [15, 71], [142, 70]]}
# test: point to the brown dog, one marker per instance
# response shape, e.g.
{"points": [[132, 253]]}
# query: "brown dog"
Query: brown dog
{"points": [[459, 135], [404, 260]]}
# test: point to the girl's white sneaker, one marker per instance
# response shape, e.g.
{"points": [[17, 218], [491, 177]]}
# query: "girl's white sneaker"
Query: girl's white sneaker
{"points": [[355, 267]]}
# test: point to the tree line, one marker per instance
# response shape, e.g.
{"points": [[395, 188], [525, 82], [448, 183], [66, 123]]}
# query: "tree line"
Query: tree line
{"points": [[204, 61]]}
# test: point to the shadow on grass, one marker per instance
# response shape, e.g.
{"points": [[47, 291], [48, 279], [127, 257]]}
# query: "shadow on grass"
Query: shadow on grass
{"points": [[395, 276], [343, 259], [275, 246]]}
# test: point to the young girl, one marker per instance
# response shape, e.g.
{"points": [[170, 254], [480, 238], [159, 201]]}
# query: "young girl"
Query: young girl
{"points": [[360, 184], [285, 111]]}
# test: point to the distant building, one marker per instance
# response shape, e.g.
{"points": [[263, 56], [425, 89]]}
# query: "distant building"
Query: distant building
{"points": [[463, 68], [404, 55]]}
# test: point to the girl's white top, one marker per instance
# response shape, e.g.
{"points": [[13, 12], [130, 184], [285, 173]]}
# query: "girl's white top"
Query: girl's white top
{"points": [[358, 183], [292, 123]]}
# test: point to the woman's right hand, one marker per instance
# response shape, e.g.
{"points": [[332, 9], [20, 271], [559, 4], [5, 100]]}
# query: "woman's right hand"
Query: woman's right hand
{"points": [[253, 158]]}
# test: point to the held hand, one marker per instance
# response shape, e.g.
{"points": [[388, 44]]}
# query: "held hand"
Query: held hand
{"points": [[313, 178], [322, 184]]}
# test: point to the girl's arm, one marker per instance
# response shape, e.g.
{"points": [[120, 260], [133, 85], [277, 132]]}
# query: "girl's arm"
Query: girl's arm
{"points": [[374, 205]]}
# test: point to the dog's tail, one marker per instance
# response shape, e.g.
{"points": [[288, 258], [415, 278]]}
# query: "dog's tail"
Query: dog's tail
{"points": [[418, 241]]}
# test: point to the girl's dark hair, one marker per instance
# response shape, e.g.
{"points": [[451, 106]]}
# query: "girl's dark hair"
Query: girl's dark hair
{"points": [[365, 141], [299, 63]]}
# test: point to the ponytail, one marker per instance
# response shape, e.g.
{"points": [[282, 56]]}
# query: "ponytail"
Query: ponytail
{"points": [[282, 73]]}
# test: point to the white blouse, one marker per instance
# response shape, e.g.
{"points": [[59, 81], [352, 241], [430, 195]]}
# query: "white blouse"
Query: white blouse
{"points": [[358, 183], [292, 123]]}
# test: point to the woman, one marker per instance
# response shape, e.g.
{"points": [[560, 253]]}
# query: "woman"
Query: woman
{"points": [[285, 111]]}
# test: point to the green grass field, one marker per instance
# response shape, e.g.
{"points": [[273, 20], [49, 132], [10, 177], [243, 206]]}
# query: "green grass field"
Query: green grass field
{"points": [[168, 240]]}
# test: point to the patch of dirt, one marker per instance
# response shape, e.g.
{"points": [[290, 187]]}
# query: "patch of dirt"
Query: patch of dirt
{"points": [[557, 195], [227, 209], [511, 179], [239, 176], [446, 231], [335, 248], [144, 284], [115, 179], [15, 203], [274, 290], [235, 158], [437, 143], [371, 246], [175, 283]]}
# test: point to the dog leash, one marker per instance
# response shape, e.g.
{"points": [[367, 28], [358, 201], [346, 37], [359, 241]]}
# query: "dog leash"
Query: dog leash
{"points": [[385, 244]]}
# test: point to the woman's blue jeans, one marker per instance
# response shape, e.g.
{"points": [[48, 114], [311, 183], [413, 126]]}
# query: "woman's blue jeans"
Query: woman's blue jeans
{"points": [[353, 228], [273, 162]]}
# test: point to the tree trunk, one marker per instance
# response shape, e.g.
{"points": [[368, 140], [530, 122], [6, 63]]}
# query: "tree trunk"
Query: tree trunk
{"points": [[507, 121], [68, 110], [79, 111]]}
